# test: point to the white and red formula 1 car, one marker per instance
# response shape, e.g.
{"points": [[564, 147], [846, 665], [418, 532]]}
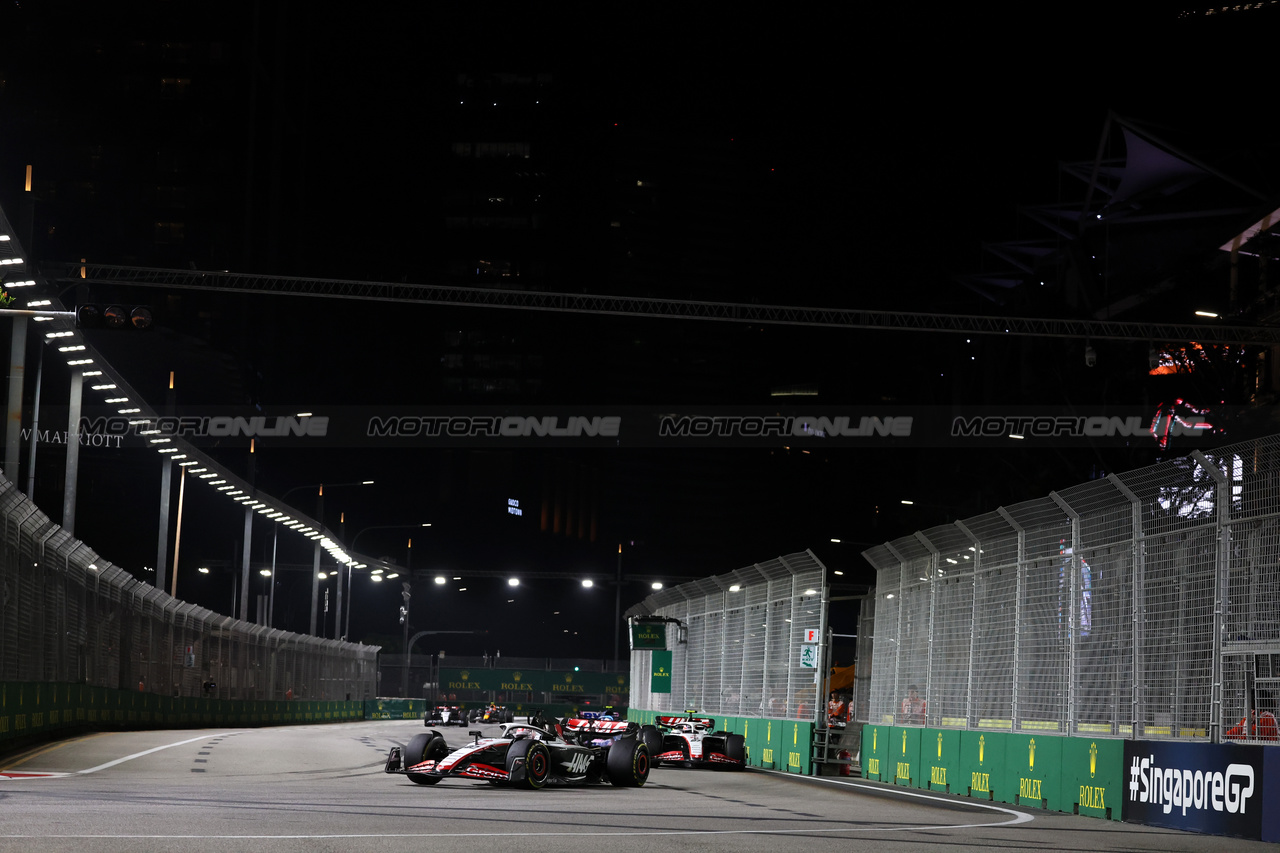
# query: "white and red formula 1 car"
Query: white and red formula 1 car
{"points": [[694, 742]]}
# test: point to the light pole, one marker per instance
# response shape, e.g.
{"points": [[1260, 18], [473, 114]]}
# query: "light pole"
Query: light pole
{"points": [[408, 564], [315, 563]]}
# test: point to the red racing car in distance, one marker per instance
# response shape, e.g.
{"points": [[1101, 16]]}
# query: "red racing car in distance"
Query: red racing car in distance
{"points": [[694, 742]]}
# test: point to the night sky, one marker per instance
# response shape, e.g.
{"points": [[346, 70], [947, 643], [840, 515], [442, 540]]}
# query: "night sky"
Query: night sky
{"points": [[858, 157]]}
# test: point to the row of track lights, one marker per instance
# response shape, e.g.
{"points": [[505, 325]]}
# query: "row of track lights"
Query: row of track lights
{"points": [[71, 343]]}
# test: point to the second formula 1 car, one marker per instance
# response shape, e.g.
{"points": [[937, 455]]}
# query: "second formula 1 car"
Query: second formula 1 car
{"points": [[576, 752], [444, 715], [694, 742]]}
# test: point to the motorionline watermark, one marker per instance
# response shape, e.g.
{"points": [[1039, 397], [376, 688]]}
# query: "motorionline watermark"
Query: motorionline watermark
{"points": [[645, 426], [113, 430]]}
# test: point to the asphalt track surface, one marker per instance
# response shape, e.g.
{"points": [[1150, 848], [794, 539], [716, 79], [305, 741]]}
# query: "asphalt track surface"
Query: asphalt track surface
{"points": [[321, 788]]}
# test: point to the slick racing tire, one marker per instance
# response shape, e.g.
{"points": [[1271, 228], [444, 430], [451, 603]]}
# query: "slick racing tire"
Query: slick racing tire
{"points": [[420, 748], [537, 762], [652, 738], [627, 764], [735, 748]]}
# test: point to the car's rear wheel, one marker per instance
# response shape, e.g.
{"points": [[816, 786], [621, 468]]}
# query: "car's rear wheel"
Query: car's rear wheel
{"points": [[421, 748], [627, 764], [652, 738]]}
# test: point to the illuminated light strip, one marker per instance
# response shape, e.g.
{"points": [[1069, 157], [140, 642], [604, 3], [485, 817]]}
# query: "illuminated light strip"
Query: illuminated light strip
{"points": [[88, 372], [52, 335], [118, 400], [128, 411], [76, 362], [102, 387]]}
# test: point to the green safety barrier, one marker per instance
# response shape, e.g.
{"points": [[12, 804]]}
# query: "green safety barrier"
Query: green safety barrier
{"points": [[563, 682], [395, 709], [904, 749], [1093, 773], [37, 710], [1034, 764], [982, 766], [940, 760], [875, 752]]}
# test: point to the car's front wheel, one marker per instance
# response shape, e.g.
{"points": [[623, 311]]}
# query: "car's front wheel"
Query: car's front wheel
{"points": [[537, 762], [421, 748]]}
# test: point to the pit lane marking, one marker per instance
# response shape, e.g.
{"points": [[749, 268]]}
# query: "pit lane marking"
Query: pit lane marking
{"points": [[13, 775]]}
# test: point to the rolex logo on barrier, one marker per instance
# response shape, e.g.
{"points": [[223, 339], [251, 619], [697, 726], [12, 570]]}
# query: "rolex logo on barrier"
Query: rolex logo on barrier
{"points": [[982, 746], [1093, 759], [939, 745], [465, 675], [1031, 755], [904, 741], [515, 676]]}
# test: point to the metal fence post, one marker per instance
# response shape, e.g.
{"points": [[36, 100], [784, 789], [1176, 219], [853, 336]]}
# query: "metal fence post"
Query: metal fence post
{"points": [[1019, 592], [1222, 518], [1074, 627], [973, 620]]}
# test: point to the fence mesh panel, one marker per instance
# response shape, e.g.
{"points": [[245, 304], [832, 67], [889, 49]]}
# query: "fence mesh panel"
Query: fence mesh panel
{"points": [[735, 641], [67, 615], [1145, 604]]}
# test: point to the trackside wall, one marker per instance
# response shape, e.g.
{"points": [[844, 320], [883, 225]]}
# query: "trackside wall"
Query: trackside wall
{"points": [[1099, 650], [33, 711]]}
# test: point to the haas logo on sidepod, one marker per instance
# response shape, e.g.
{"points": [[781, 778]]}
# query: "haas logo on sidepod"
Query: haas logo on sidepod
{"points": [[578, 764]]}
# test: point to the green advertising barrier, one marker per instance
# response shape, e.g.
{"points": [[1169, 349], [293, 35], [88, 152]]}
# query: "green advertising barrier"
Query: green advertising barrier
{"points": [[940, 759], [756, 734], [982, 767], [1034, 764], [875, 753], [904, 756], [395, 709], [1093, 774], [798, 739], [563, 682]]}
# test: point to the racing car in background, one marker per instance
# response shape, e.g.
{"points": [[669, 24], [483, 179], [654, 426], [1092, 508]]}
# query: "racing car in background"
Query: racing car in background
{"points": [[694, 742], [444, 715], [577, 752], [492, 714]]}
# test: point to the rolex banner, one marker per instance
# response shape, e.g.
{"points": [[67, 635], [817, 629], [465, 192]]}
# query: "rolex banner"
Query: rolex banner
{"points": [[660, 673]]}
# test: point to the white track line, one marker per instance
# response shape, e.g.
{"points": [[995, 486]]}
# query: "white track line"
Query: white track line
{"points": [[156, 749]]}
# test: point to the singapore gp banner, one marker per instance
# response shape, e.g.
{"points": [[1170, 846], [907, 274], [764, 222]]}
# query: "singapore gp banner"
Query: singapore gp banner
{"points": [[1218, 789], [813, 426]]}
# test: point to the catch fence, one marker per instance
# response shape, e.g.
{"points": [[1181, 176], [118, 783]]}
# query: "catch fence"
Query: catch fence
{"points": [[67, 615], [1141, 605], [736, 642]]}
